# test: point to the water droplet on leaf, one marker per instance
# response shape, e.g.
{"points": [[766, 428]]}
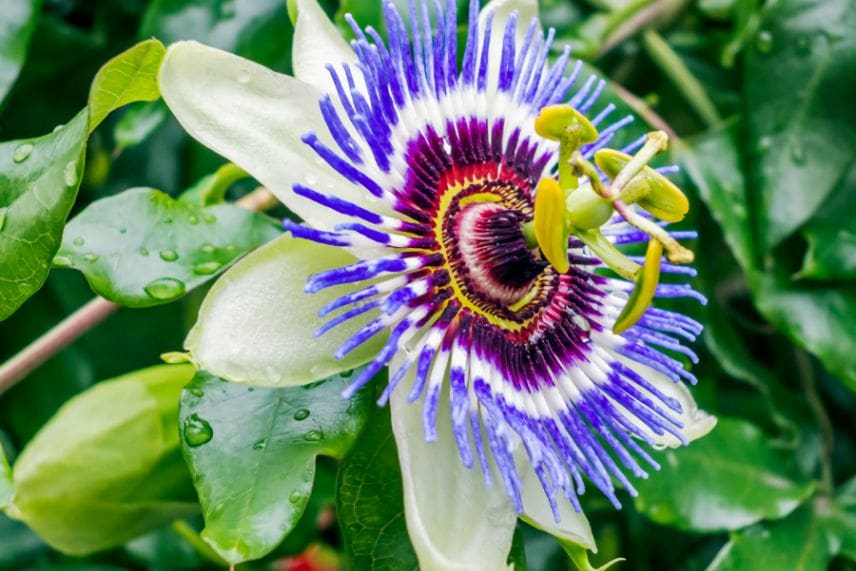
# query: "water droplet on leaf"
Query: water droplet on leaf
{"points": [[78, 242], [144, 252], [165, 289], [301, 414], [209, 218], [197, 431], [206, 268], [207, 248], [62, 262], [168, 255], [295, 497], [69, 174], [89, 258], [196, 391], [123, 230], [798, 154], [22, 153], [193, 219], [260, 445], [313, 436]]}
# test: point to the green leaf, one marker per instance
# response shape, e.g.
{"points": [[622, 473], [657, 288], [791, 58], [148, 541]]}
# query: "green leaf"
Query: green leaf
{"points": [[728, 480], [142, 247], [712, 164], [256, 324], [19, 21], [800, 542], [6, 491], [802, 131], [110, 457], [252, 455], [38, 184], [128, 77], [517, 555], [370, 502], [831, 235], [138, 122]]}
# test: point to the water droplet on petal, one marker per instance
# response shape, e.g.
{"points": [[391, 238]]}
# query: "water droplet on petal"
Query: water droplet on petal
{"points": [[764, 42], [164, 289], [311, 179], [301, 414], [243, 76], [206, 268], [313, 436], [62, 262], [69, 174], [197, 431], [168, 255], [22, 153], [260, 445]]}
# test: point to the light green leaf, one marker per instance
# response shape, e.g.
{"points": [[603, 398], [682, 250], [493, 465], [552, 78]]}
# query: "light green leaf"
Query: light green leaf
{"points": [[16, 29], [128, 77], [802, 131], [256, 325], [109, 457], [252, 455], [38, 184], [142, 247], [370, 502], [212, 188], [579, 555], [138, 122], [728, 480], [6, 491]]}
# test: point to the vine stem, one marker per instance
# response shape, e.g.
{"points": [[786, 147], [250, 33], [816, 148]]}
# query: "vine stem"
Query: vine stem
{"points": [[815, 403], [87, 317]]}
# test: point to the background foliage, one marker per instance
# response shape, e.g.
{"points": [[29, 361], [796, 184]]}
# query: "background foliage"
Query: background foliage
{"points": [[759, 96]]}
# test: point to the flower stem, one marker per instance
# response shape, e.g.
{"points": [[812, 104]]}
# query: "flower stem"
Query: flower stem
{"points": [[84, 319], [673, 66]]}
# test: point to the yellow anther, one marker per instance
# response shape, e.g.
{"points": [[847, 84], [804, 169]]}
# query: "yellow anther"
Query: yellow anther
{"points": [[643, 293], [554, 121], [551, 229], [651, 190]]}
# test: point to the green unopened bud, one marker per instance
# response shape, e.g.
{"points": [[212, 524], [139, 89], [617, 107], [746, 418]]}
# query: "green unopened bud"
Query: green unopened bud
{"points": [[651, 190], [587, 209], [551, 230], [643, 293], [554, 121]]}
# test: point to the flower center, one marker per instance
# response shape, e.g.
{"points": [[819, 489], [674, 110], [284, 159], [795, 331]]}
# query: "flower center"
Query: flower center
{"points": [[493, 254]]}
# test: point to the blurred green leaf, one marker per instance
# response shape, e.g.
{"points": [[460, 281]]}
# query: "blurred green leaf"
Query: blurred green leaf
{"points": [[142, 247], [38, 184], [256, 29], [18, 544], [163, 549], [110, 458], [128, 77], [6, 491], [138, 122], [725, 481], [802, 131], [831, 235], [252, 454], [212, 188], [370, 502], [16, 29]]}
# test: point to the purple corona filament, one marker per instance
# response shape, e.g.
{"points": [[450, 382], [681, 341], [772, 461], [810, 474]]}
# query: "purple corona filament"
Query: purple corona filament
{"points": [[526, 355]]}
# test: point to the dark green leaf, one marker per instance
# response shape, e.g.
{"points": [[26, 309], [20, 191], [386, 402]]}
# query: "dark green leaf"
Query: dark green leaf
{"points": [[163, 549], [128, 77], [727, 480], [797, 543], [18, 544], [19, 21], [252, 455], [38, 184], [110, 457], [370, 502], [802, 131], [141, 247], [831, 235], [517, 555]]}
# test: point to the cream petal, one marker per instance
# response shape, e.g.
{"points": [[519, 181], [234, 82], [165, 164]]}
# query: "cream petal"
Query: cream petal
{"points": [[455, 522], [317, 42], [256, 324], [255, 117], [573, 526], [502, 10]]}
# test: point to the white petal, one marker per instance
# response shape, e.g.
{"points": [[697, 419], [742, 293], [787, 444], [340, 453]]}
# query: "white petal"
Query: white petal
{"points": [[696, 422], [254, 117], [502, 9], [255, 325], [573, 526], [317, 43], [455, 522]]}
